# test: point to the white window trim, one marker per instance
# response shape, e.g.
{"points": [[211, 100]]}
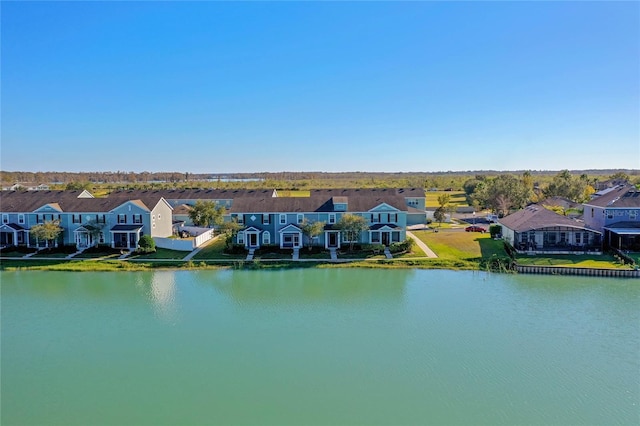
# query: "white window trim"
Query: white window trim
{"points": [[266, 219], [21, 219], [332, 218], [240, 237], [5, 218], [266, 237], [283, 219], [300, 218]]}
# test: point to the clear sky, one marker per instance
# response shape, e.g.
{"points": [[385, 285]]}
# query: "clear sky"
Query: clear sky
{"points": [[311, 86]]}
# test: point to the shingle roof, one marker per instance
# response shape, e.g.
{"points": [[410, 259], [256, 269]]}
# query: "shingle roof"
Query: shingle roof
{"points": [[622, 196], [315, 203], [67, 201], [537, 217], [404, 192]]}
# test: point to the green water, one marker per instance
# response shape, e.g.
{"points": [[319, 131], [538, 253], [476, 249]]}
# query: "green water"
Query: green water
{"points": [[314, 346]]}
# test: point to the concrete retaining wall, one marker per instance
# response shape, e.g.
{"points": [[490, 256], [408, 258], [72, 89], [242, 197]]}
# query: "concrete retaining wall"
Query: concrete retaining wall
{"points": [[557, 270]]}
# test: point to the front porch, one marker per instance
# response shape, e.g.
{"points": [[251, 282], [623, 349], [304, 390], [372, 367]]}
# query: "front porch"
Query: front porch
{"points": [[384, 234], [290, 237], [12, 234], [125, 236], [87, 236]]}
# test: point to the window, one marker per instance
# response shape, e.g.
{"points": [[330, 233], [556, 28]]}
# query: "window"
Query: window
{"points": [[240, 237], [591, 211], [101, 238], [300, 218], [5, 218], [332, 218], [265, 219], [101, 218], [241, 219], [393, 217], [76, 218], [375, 237], [21, 219], [122, 218], [137, 218], [375, 217], [578, 237], [266, 237], [283, 219], [39, 218]]}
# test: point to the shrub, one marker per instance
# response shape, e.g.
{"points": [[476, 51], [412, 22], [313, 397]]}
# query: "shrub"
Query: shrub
{"points": [[146, 244], [406, 245], [495, 230], [235, 249]]}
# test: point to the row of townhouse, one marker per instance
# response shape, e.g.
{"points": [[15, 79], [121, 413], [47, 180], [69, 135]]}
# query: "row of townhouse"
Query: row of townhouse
{"points": [[610, 220], [268, 219], [85, 221], [123, 217]]}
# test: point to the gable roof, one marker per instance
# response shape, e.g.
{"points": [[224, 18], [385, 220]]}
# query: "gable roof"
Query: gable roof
{"points": [[64, 201], [537, 217], [192, 194], [620, 197]]}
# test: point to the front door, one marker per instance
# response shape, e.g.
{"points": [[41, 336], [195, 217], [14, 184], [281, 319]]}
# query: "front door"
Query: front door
{"points": [[132, 240], [253, 240], [385, 238], [333, 239]]}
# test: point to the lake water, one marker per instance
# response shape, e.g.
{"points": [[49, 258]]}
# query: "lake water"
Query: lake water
{"points": [[318, 346]]}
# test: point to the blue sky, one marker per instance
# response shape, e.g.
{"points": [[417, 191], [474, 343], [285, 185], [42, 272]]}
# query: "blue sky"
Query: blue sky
{"points": [[353, 86]]}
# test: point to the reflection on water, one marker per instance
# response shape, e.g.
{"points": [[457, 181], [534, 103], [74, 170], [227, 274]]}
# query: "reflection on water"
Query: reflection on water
{"points": [[324, 346], [162, 292], [309, 285]]}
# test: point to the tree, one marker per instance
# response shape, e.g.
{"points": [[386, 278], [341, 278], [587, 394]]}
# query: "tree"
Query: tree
{"points": [[230, 230], [574, 188], [48, 231], [503, 193], [312, 230], [439, 215], [351, 226], [146, 244], [443, 199], [206, 213]]}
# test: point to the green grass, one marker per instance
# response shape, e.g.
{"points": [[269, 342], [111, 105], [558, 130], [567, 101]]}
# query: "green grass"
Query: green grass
{"points": [[571, 260], [52, 255], [12, 254], [635, 256], [457, 245], [215, 250], [458, 198], [161, 253], [304, 254], [98, 255]]}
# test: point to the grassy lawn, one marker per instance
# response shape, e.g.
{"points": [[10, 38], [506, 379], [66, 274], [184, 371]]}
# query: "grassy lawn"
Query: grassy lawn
{"points": [[304, 254], [458, 198], [52, 255], [12, 254], [161, 253], [635, 256], [572, 260], [215, 251], [98, 255], [284, 255], [461, 245]]}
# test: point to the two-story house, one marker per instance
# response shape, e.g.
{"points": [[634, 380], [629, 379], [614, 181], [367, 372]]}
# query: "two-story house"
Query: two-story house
{"points": [[85, 221], [616, 214], [278, 220]]}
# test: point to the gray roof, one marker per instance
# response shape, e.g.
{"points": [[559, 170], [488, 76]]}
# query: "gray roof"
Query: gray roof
{"points": [[537, 217], [126, 227], [620, 197], [315, 203], [66, 201]]}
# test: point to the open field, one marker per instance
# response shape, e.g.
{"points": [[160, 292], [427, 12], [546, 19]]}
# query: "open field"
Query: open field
{"points": [[458, 198]]}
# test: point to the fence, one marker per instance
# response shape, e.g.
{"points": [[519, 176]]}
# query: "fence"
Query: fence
{"points": [[199, 236]]}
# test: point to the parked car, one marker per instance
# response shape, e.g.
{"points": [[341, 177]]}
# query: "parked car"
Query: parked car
{"points": [[474, 228]]}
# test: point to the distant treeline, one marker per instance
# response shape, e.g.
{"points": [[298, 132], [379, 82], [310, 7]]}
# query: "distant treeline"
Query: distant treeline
{"points": [[453, 180]]}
